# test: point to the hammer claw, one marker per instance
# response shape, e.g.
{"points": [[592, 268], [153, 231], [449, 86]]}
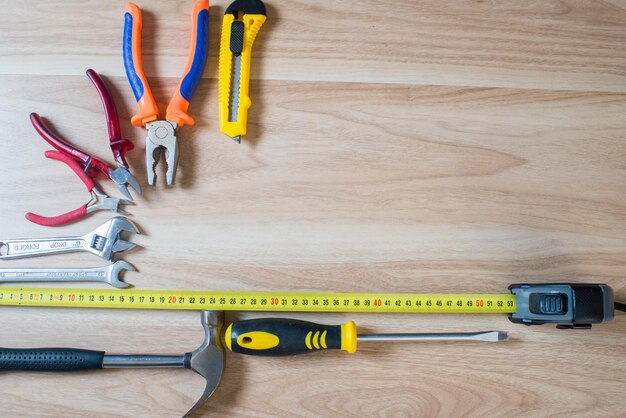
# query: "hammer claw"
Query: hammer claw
{"points": [[208, 359]]}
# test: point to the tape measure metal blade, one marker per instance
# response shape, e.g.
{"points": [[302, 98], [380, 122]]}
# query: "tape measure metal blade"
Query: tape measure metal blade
{"points": [[258, 301]]}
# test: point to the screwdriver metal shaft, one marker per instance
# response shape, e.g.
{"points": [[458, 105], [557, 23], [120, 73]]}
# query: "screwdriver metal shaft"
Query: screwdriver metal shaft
{"points": [[488, 336]]}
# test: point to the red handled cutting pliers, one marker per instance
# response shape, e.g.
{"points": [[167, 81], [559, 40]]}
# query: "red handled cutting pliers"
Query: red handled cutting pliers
{"points": [[91, 165], [99, 200]]}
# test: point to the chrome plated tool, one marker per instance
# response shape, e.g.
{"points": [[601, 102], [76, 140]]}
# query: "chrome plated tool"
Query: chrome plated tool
{"points": [[109, 274], [104, 242]]}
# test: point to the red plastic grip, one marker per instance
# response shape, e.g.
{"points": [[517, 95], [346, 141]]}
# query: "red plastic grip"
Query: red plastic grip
{"points": [[60, 219], [59, 156], [63, 146], [56, 141], [119, 144]]}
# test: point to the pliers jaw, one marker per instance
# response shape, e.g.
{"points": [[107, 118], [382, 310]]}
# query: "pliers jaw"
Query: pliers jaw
{"points": [[102, 201], [161, 138], [99, 200], [122, 177], [119, 145], [162, 131]]}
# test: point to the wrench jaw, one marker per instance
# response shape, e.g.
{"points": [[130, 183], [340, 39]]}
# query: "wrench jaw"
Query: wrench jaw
{"points": [[115, 269], [120, 246], [161, 139], [105, 240]]}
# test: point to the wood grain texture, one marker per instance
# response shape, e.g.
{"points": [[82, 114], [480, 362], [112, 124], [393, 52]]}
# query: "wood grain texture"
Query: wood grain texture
{"points": [[394, 146], [568, 45]]}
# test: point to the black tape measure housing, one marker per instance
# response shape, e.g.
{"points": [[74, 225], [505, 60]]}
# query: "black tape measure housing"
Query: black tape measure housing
{"points": [[570, 305]]}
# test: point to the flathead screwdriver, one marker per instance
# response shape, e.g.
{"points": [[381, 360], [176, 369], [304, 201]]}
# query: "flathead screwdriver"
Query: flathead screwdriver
{"points": [[282, 337]]}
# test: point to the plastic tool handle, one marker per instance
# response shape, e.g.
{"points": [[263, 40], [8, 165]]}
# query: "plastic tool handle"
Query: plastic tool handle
{"points": [[131, 50], [76, 168], [72, 215], [198, 51], [242, 21], [119, 145], [284, 337], [58, 220], [50, 359], [90, 163]]}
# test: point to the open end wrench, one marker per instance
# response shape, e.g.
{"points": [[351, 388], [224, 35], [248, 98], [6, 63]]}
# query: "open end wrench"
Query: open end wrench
{"points": [[104, 242], [106, 274]]}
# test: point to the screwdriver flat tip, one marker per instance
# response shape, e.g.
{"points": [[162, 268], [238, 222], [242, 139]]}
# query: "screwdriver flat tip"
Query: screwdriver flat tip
{"points": [[489, 336]]}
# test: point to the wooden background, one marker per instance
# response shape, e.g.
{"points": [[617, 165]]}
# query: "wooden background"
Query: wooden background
{"points": [[394, 146]]}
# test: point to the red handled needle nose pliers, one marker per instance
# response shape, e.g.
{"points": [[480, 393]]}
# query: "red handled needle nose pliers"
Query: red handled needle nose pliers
{"points": [[91, 165], [99, 200]]}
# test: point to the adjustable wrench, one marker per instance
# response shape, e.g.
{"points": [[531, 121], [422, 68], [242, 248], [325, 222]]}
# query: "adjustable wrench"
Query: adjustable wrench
{"points": [[104, 242], [105, 274]]}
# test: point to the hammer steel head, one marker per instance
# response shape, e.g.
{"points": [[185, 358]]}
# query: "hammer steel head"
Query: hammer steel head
{"points": [[161, 138], [208, 359], [105, 240]]}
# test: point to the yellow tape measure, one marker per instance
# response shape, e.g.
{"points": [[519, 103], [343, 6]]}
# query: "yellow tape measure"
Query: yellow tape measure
{"points": [[258, 301]]}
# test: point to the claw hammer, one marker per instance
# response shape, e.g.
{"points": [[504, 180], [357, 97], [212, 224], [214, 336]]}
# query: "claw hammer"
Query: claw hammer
{"points": [[207, 360]]}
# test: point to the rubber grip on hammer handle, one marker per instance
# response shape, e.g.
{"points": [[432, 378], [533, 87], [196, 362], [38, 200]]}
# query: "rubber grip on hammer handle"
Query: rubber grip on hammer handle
{"points": [[50, 359]]}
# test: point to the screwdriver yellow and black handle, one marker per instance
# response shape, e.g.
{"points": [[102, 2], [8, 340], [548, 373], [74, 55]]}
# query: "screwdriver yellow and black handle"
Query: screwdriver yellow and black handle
{"points": [[284, 337], [242, 21]]}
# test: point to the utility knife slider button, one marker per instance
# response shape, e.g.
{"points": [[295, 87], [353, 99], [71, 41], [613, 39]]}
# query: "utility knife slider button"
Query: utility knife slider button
{"points": [[236, 37], [548, 303]]}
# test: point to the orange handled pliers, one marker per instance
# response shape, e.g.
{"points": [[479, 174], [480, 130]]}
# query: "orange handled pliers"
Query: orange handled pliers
{"points": [[99, 200], [162, 133]]}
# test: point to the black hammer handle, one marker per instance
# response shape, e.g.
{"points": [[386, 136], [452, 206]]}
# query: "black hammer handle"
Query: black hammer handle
{"points": [[50, 359]]}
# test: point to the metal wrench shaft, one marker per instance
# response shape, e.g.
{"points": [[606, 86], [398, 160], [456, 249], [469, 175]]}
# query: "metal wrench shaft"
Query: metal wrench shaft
{"points": [[105, 274], [21, 248]]}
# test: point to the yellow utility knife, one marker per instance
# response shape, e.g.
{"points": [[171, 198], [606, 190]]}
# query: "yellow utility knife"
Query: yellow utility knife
{"points": [[242, 21]]}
